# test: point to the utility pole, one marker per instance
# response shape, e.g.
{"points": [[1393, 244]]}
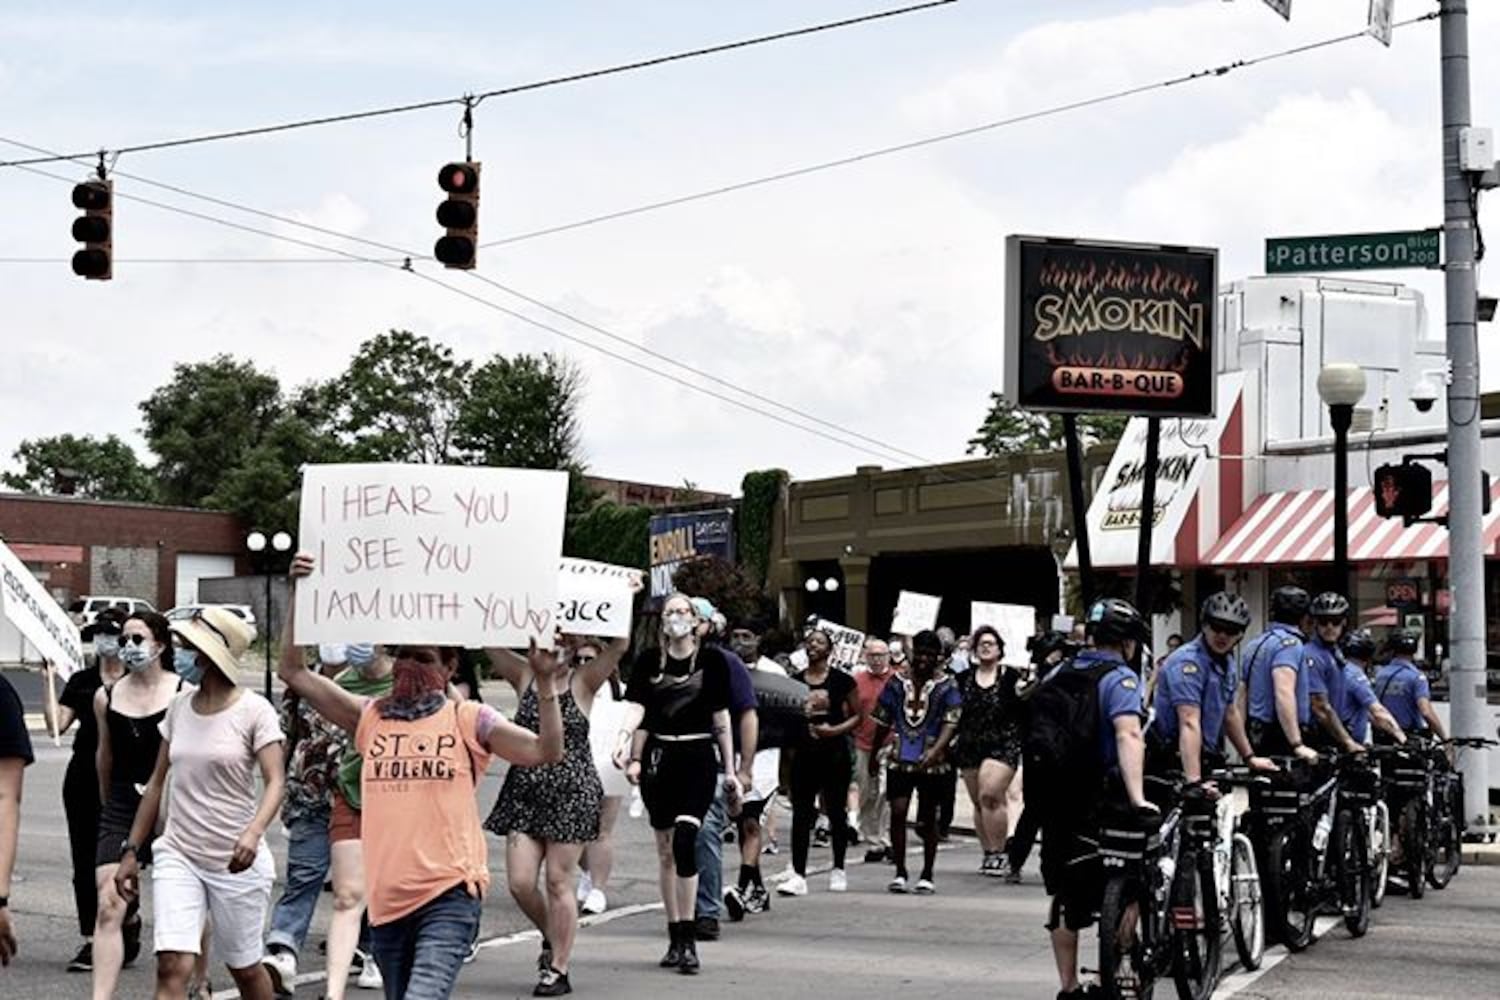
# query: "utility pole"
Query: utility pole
{"points": [[1468, 702]]}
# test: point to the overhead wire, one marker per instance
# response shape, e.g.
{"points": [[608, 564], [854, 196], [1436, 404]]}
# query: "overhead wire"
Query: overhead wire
{"points": [[468, 100]]}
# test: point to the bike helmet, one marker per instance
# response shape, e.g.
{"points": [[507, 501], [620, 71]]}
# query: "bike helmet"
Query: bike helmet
{"points": [[1404, 640], [1360, 643], [1289, 604], [1330, 605], [1226, 609], [1113, 620]]}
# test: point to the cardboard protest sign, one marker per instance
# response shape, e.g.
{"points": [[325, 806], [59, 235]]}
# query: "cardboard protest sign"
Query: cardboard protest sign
{"points": [[39, 618], [595, 598], [1015, 622], [431, 554], [848, 643], [915, 613]]}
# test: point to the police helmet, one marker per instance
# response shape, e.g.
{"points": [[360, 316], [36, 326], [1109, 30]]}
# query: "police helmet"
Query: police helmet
{"points": [[1112, 621], [1330, 605], [1359, 643], [1289, 604], [1404, 640], [1226, 609]]}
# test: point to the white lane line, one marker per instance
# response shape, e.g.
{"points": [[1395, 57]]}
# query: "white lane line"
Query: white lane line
{"points": [[1237, 983]]}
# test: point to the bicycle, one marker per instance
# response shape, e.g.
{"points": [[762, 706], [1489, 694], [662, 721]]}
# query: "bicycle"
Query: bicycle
{"points": [[1138, 852], [1236, 875], [1407, 788], [1448, 823], [1361, 791]]}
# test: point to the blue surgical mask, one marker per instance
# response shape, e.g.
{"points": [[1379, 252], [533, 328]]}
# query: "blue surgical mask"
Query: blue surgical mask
{"points": [[185, 662], [137, 656], [106, 647]]}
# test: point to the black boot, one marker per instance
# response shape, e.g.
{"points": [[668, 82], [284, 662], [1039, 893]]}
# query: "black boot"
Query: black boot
{"points": [[673, 958], [689, 964]]}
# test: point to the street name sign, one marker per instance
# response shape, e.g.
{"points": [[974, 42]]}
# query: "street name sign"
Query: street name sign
{"points": [[1354, 252]]}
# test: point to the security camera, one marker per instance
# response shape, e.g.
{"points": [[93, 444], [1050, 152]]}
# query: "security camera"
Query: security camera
{"points": [[1424, 393]]}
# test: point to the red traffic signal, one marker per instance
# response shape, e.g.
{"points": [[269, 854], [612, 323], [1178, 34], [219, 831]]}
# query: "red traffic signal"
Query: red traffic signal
{"points": [[1403, 490], [459, 215], [94, 229]]}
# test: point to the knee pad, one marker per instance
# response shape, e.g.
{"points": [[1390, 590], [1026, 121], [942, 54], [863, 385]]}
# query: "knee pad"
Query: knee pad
{"points": [[685, 848]]}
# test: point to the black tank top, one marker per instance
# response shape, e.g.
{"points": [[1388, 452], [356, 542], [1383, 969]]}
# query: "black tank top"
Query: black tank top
{"points": [[133, 742]]}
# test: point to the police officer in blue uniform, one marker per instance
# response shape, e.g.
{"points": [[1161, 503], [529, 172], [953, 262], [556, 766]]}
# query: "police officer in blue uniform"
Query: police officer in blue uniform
{"points": [[1276, 678], [1325, 671], [1360, 707], [1195, 704], [1403, 689]]}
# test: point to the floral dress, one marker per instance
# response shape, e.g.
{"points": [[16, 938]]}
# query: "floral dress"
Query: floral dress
{"points": [[555, 803]]}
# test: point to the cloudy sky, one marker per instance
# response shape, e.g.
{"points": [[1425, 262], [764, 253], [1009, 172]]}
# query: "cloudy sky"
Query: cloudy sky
{"points": [[868, 296]]}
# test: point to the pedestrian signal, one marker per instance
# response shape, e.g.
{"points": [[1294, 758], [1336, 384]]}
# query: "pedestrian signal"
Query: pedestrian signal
{"points": [[1403, 490]]}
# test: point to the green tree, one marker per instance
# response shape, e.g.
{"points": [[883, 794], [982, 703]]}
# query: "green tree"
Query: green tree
{"points": [[760, 492], [728, 586], [100, 469], [205, 422], [610, 532], [521, 412], [264, 489], [1007, 430], [399, 400]]}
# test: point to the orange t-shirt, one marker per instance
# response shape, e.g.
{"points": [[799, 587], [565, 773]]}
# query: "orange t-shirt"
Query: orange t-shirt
{"points": [[421, 822]]}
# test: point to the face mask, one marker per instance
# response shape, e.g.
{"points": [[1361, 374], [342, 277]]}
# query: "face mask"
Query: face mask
{"points": [[107, 647], [185, 662], [959, 661], [137, 657], [678, 626], [362, 658]]}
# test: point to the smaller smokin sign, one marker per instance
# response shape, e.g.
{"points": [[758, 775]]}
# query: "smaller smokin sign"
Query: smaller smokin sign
{"points": [[1110, 326]]}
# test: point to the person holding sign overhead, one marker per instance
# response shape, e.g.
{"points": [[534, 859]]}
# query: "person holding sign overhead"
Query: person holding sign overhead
{"points": [[548, 812], [678, 698], [425, 853]]}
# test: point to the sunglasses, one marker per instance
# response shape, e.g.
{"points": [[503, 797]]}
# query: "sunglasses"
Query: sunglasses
{"points": [[134, 640], [1226, 630]]}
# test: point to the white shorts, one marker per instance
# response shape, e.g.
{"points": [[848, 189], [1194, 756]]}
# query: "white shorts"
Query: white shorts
{"points": [[765, 775], [605, 720], [184, 894]]}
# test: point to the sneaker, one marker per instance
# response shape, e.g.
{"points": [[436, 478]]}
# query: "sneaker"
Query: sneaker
{"points": [[595, 902], [987, 865], [585, 886], [924, 887], [794, 885], [820, 837], [734, 905], [897, 885], [770, 848], [84, 960], [551, 983], [1012, 875], [369, 977], [875, 855], [281, 966], [838, 881], [757, 899], [706, 928]]}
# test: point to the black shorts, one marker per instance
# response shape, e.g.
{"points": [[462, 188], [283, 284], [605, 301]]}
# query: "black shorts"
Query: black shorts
{"points": [[751, 812], [115, 820], [900, 784], [1267, 738], [678, 779], [1073, 874]]}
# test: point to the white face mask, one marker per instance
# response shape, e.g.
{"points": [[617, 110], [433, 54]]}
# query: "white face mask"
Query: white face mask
{"points": [[678, 626]]}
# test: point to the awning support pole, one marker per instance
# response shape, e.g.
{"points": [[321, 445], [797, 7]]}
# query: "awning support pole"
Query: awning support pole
{"points": [[1148, 517], [1080, 512]]}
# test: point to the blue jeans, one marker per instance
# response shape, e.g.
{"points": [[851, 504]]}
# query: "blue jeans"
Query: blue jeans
{"points": [[307, 862], [420, 955], [710, 854]]}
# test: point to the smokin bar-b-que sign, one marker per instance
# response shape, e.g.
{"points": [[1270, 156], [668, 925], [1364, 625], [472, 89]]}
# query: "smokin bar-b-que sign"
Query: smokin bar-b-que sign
{"points": [[1110, 327]]}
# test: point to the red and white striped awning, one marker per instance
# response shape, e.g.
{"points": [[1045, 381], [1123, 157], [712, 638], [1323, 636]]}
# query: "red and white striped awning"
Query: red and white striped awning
{"points": [[1296, 526]]}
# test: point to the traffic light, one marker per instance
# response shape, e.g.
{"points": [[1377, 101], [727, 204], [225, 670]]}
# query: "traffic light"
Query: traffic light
{"points": [[94, 229], [459, 214], [1403, 490]]}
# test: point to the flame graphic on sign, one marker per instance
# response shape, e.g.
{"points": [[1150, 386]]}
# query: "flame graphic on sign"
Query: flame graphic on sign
{"points": [[1140, 363], [1089, 277]]}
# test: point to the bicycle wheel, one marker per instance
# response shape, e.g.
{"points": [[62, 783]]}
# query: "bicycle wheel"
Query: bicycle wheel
{"points": [[1246, 914], [1196, 927], [1124, 972], [1446, 847], [1380, 851], [1352, 864], [1413, 828], [1289, 893]]}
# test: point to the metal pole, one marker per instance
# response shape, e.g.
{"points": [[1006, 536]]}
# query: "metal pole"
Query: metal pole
{"points": [[1341, 416], [1469, 709], [1080, 513], [1148, 518], [268, 633]]}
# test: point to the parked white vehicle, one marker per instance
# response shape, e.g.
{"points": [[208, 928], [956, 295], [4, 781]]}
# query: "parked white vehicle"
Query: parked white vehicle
{"points": [[185, 611], [87, 608]]}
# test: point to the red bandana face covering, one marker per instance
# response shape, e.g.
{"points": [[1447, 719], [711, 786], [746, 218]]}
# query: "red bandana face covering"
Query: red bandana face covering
{"points": [[418, 690]]}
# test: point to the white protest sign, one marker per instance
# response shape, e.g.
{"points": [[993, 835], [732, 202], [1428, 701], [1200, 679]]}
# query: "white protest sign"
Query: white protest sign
{"points": [[39, 618], [915, 613], [595, 598], [1015, 622], [430, 554], [848, 643]]}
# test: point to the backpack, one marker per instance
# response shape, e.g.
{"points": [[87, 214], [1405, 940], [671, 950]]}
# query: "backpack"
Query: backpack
{"points": [[1064, 772]]}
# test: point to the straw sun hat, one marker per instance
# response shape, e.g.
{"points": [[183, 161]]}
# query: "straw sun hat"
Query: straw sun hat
{"points": [[218, 634]]}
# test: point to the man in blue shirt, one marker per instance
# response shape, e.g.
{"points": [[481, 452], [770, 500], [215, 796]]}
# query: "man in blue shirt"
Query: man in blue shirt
{"points": [[1360, 706], [1276, 678], [1195, 702], [1402, 687], [1070, 859], [1325, 670]]}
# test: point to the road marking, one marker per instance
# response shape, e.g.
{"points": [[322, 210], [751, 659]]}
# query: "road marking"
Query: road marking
{"points": [[1237, 983]]}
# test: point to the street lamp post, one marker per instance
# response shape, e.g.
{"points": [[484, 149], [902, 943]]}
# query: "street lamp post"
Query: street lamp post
{"points": [[1341, 386], [257, 542]]}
